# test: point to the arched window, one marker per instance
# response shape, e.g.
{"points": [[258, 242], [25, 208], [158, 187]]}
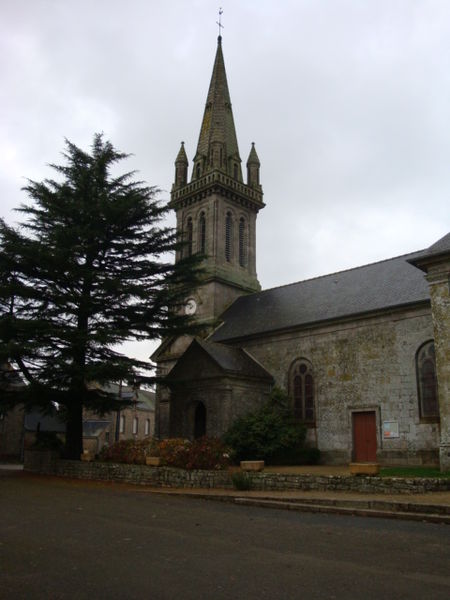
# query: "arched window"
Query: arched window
{"points": [[135, 425], [426, 381], [235, 171], [197, 171], [301, 387], [202, 233], [242, 242], [228, 236], [122, 424], [147, 427], [189, 236]]}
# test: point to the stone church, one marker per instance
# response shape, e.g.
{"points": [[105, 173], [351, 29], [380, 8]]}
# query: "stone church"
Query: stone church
{"points": [[364, 354]]}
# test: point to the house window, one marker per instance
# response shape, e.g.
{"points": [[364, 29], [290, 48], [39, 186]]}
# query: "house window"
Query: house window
{"points": [[228, 236], [426, 381], [147, 426], [122, 424], [135, 425], [302, 391], [189, 236], [242, 242], [202, 233]]}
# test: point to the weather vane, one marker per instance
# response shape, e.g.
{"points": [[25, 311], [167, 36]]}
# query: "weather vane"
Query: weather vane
{"points": [[219, 22]]}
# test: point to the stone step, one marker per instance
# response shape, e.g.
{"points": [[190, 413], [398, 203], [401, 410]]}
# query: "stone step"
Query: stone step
{"points": [[301, 506], [369, 504]]}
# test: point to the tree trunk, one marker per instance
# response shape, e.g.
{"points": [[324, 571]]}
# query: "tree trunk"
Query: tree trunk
{"points": [[74, 431]]}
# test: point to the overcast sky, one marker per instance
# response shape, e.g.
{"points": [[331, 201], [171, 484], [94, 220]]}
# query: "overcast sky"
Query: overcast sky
{"points": [[348, 102]]}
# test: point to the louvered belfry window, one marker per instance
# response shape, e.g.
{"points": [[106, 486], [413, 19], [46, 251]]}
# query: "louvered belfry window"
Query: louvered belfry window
{"points": [[202, 233], [189, 236], [242, 242], [228, 236]]}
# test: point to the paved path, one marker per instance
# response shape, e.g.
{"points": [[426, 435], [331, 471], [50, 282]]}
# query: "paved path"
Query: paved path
{"points": [[66, 539]]}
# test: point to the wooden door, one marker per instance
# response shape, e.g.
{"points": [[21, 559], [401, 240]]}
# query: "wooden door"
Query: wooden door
{"points": [[200, 420], [364, 437]]}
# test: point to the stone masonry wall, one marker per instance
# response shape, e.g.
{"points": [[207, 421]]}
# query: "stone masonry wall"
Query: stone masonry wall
{"points": [[164, 477], [366, 364], [439, 280]]}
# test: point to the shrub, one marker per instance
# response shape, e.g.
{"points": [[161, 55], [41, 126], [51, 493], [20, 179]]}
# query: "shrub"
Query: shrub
{"points": [[47, 440], [297, 456], [269, 433], [174, 452], [204, 453], [130, 451], [207, 453], [241, 481]]}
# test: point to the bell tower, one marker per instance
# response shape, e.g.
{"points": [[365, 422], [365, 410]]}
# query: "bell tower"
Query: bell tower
{"points": [[215, 209]]}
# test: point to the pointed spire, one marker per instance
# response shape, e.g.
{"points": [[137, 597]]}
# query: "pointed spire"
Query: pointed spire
{"points": [[181, 167], [181, 156], [253, 165], [253, 157], [217, 144]]}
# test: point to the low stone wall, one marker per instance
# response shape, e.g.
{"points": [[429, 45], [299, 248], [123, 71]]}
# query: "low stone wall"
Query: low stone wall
{"points": [[46, 463]]}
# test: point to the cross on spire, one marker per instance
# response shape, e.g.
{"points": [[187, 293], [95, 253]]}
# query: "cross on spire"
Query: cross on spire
{"points": [[219, 22]]}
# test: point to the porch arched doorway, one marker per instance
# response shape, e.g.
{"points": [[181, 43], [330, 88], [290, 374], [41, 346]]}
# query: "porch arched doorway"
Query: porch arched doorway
{"points": [[199, 420]]}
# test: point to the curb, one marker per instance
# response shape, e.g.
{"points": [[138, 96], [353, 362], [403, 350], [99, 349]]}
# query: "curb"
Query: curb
{"points": [[299, 506], [407, 511]]}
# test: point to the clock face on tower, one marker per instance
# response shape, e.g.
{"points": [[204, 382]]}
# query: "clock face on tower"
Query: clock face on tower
{"points": [[190, 307]]}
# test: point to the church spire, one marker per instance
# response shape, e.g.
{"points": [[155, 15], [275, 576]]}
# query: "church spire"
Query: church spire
{"points": [[217, 147], [181, 168], [253, 165]]}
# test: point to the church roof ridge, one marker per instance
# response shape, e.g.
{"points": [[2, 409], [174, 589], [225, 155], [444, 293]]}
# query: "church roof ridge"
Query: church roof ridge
{"points": [[325, 275]]}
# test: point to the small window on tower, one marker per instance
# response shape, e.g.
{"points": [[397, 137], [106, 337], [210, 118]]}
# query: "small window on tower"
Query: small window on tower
{"points": [[235, 171], [228, 236]]}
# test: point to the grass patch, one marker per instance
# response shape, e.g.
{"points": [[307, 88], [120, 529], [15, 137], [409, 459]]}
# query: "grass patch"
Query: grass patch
{"points": [[413, 472]]}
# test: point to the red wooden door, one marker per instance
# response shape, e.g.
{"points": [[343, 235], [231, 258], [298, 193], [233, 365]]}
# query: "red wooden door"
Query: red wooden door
{"points": [[364, 437]]}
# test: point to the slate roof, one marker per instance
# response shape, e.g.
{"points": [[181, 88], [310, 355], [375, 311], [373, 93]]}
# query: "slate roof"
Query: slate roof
{"points": [[233, 361], [441, 247], [379, 286], [145, 399]]}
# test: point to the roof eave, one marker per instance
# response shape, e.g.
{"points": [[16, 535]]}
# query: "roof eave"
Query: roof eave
{"points": [[322, 322]]}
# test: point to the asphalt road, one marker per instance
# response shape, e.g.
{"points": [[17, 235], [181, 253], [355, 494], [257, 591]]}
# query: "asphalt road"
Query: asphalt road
{"points": [[74, 540]]}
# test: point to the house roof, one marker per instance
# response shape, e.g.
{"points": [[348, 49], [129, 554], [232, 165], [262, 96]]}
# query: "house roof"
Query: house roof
{"points": [[379, 286], [145, 399], [93, 427], [45, 422]]}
